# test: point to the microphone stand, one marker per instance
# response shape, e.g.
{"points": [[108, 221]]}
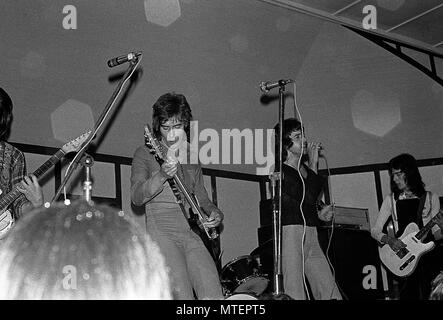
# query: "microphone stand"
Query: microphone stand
{"points": [[276, 178], [87, 162], [133, 64]]}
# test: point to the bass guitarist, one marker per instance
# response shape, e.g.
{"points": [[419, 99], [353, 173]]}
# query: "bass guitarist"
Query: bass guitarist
{"points": [[409, 202], [192, 268]]}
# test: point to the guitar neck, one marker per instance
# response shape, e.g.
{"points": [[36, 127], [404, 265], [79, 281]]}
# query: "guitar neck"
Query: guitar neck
{"points": [[180, 184], [424, 231], [210, 232], [9, 198], [156, 149]]}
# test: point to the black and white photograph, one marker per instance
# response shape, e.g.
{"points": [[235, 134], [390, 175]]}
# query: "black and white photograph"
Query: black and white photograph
{"points": [[235, 157]]}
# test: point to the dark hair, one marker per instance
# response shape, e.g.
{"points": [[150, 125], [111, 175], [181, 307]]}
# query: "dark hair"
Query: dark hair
{"points": [[5, 114], [81, 251], [289, 125], [407, 164], [171, 105]]}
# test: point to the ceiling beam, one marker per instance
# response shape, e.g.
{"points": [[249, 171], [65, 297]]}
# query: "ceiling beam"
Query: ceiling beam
{"points": [[326, 16], [346, 7], [414, 18], [386, 44]]}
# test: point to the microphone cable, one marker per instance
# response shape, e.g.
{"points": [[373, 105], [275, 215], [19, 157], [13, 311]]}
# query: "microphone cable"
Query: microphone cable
{"points": [[297, 111], [332, 233]]}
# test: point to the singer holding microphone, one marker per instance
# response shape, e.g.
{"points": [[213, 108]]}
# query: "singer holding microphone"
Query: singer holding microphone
{"points": [[300, 161]]}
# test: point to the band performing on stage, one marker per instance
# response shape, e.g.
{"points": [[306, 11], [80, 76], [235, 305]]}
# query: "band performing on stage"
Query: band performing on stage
{"points": [[222, 150], [184, 228]]}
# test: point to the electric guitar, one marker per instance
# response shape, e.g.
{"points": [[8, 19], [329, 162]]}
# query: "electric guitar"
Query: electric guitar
{"points": [[6, 217], [177, 182], [403, 262]]}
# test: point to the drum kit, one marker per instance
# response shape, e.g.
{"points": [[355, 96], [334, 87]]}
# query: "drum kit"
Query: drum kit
{"points": [[248, 277]]}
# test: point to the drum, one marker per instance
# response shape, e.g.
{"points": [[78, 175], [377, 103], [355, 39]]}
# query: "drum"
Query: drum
{"points": [[242, 275], [242, 296]]}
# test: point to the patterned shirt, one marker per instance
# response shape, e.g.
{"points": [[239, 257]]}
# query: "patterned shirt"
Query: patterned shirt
{"points": [[13, 170]]}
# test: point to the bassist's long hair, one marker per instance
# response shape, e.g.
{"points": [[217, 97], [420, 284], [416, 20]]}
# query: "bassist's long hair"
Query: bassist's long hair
{"points": [[407, 164]]}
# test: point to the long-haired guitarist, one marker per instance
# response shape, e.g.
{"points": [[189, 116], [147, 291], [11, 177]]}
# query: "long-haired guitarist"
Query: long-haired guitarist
{"points": [[191, 266], [13, 171], [409, 202]]}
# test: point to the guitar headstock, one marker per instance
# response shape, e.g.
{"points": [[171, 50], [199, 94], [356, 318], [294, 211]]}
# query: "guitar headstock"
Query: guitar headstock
{"points": [[74, 145], [152, 143]]}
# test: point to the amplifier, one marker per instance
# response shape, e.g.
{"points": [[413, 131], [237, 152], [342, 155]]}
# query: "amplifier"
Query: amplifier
{"points": [[345, 217], [351, 218]]}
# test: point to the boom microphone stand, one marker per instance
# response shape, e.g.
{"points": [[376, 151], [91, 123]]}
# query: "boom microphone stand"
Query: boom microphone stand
{"points": [[133, 60]]}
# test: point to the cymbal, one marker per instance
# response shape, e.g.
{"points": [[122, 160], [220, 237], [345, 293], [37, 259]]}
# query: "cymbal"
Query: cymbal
{"points": [[264, 249]]}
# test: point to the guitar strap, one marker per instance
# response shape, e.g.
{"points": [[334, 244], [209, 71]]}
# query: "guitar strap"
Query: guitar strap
{"points": [[419, 210], [6, 166], [421, 205], [394, 216]]}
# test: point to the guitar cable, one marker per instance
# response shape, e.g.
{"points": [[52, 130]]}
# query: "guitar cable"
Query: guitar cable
{"points": [[297, 112], [332, 225], [332, 233]]}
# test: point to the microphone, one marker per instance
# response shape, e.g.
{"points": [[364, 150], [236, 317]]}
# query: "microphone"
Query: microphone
{"points": [[320, 149], [268, 85], [122, 59]]}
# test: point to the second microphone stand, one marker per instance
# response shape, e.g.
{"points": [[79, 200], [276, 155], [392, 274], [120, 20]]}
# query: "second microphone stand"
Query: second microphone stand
{"points": [[276, 183]]}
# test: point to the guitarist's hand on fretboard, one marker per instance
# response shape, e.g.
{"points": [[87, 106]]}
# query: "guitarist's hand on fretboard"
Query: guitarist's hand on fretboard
{"points": [[32, 190], [169, 168], [214, 219]]}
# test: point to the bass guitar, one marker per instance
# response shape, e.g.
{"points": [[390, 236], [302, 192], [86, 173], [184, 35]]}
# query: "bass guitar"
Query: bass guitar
{"points": [[404, 261], [159, 153], [6, 217]]}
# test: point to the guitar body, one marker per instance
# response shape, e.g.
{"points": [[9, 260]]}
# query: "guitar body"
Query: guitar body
{"points": [[211, 245], [404, 262], [6, 223], [6, 217]]}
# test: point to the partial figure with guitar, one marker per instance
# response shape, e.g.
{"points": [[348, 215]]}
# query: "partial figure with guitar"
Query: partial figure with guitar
{"points": [[13, 174], [413, 212], [168, 184]]}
